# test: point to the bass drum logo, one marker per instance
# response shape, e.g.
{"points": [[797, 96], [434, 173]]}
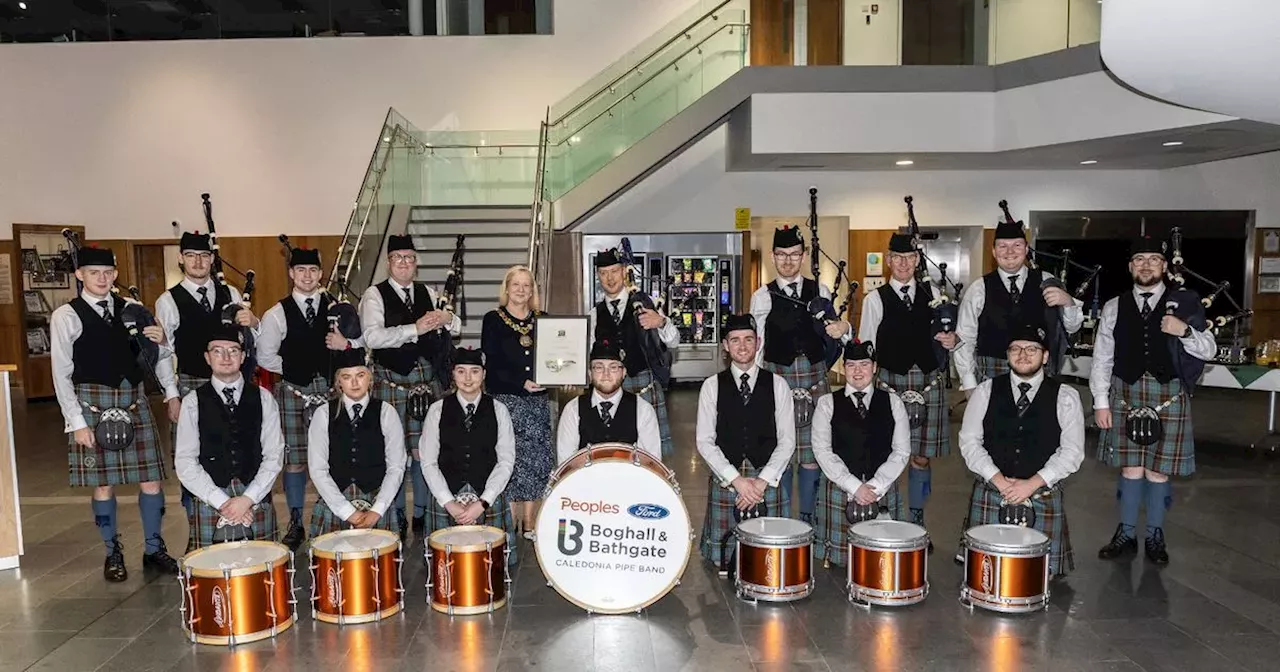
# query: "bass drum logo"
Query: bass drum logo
{"points": [[220, 607], [648, 511], [569, 539]]}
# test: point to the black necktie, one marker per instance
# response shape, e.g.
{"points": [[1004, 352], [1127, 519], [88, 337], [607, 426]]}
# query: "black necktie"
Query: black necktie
{"points": [[204, 299], [1014, 294], [1023, 400], [862, 407], [311, 311], [905, 298], [1146, 304], [408, 297], [230, 394], [604, 412], [795, 289], [106, 313], [469, 417], [355, 415], [613, 309], [744, 389]]}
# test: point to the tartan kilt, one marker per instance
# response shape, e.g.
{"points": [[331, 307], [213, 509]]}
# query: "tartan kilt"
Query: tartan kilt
{"points": [[186, 385], [990, 367], [1050, 518], [1175, 455], [498, 515], [718, 524], [204, 521], [803, 373], [295, 416], [393, 388], [831, 528], [657, 397], [933, 438], [141, 463], [323, 520]]}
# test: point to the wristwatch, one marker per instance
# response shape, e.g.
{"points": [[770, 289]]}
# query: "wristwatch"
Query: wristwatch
{"points": [[484, 504]]}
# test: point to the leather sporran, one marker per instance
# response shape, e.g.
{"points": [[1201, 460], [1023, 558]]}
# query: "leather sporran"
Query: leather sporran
{"points": [[1020, 514], [1143, 426], [856, 513], [917, 409], [115, 429], [419, 401], [758, 511], [803, 402]]}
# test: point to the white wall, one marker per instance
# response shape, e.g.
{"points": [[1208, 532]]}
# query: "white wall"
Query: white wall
{"points": [[124, 137], [1023, 28], [874, 42]]}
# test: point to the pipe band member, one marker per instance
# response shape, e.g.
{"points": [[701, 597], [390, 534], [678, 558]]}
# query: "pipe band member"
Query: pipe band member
{"points": [[1146, 357], [230, 448], [608, 414], [112, 437], [409, 337], [861, 439], [746, 435]]}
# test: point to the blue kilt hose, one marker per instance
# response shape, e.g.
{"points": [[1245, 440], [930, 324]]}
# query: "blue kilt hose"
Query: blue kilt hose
{"points": [[831, 533], [498, 515], [323, 521], [1175, 454], [1050, 518], [295, 414], [142, 462], [535, 454], [990, 367], [803, 375], [933, 437], [719, 522], [204, 520], [651, 391], [394, 389]]}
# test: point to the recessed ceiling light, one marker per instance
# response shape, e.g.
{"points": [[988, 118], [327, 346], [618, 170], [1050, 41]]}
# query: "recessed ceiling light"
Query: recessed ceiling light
{"points": [[1090, 162], [1172, 143], [22, 5], [905, 162]]}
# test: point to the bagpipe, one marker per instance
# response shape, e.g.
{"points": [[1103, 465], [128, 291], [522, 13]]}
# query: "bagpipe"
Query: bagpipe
{"points": [[229, 311], [946, 304], [342, 315], [1188, 306], [440, 342], [657, 356]]}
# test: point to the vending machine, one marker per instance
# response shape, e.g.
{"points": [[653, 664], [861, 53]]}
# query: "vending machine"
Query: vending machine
{"points": [[646, 275]]}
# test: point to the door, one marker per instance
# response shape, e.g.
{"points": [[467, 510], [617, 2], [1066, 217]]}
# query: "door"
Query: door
{"points": [[772, 28]]}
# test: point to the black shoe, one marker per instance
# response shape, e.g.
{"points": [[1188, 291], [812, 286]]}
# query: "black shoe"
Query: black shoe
{"points": [[419, 524], [113, 569], [296, 534], [1155, 547], [404, 529], [160, 561], [1121, 546], [930, 548]]}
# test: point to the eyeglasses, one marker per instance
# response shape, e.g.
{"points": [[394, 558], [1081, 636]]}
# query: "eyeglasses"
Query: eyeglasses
{"points": [[403, 258], [901, 258], [219, 351], [789, 256], [198, 255], [1148, 261], [606, 368], [1025, 350]]}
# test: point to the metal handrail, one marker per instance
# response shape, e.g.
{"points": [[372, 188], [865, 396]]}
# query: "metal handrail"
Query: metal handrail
{"points": [[337, 258], [364, 221], [535, 222]]}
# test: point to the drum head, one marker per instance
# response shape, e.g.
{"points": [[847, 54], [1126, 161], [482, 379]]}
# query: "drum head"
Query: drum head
{"points": [[464, 538], [1005, 538], [775, 531], [354, 541], [241, 557], [613, 537], [888, 534]]}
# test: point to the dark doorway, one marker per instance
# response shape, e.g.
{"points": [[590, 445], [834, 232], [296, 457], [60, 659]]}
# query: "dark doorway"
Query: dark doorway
{"points": [[938, 32]]}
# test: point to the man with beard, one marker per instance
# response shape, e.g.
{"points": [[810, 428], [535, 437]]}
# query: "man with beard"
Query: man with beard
{"points": [[608, 414], [1135, 367], [911, 360], [745, 434], [793, 345], [1023, 434]]}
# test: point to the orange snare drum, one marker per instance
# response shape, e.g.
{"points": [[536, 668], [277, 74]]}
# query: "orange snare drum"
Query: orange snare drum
{"points": [[237, 592], [1006, 568], [355, 576], [888, 563], [467, 569], [609, 452], [774, 559]]}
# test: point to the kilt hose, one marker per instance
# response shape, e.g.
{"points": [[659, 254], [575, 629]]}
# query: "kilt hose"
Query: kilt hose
{"points": [[142, 462], [1050, 518], [204, 520], [831, 533], [990, 367], [933, 437], [295, 415], [498, 515], [323, 521], [394, 389], [1175, 454], [719, 523], [803, 374], [651, 391]]}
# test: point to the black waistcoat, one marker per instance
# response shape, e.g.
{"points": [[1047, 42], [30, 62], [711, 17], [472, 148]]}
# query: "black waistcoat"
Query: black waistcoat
{"points": [[230, 445], [396, 313], [357, 456], [103, 353], [468, 457], [789, 330], [999, 315], [638, 351], [1141, 347], [746, 430], [863, 444], [303, 351], [1020, 446], [195, 324], [905, 337], [622, 423]]}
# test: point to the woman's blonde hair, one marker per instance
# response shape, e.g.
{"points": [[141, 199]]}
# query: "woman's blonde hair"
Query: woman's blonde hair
{"points": [[535, 303]]}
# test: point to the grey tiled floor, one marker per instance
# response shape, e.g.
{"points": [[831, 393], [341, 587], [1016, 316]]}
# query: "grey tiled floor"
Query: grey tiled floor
{"points": [[1216, 607]]}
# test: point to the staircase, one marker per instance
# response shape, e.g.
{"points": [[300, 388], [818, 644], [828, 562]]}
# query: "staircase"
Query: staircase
{"points": [[497, 238]]}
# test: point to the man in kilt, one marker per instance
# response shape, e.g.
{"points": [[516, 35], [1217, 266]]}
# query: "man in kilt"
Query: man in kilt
{"points": [[1022, 435], [1138, 363], [861, 439], [607, 414], [468, 453], [746, 435], [355, 452], [912, 362], [644, 336], [99, 385], [409, 337], [189, 311], [794, 345], [229, 448], [297, 343]]}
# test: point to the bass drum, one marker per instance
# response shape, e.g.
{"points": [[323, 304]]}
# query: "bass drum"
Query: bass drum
{"points": [[613, 535]]}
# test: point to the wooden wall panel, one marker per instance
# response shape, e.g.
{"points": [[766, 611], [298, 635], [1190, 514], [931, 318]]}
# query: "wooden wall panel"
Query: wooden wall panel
{"points": [[862, 241], [988, 242], [826, 32], [1265, 324], [771, 32], [11, 338]]}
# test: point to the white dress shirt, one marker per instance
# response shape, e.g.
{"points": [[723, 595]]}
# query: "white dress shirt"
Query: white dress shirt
{"points": [[649, 436], [186, 458], [169, 319], [784, 419], [373, 320], [668, 333], [429, 449], [762, 304], [318, 457], [1200, 344], [873, 307], [834, 468], [1064, 462], [971, 305], [64, 328], [274, 329]]}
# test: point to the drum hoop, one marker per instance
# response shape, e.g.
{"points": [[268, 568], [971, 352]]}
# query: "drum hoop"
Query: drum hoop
{"points": [[564, 470], [391, 541], [248, 570], [773, 540], [434, 540], [1007, 550], [876, 544]]}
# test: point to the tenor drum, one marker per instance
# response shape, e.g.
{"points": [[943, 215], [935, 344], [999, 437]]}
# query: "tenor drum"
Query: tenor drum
{"points": [[1006, 568], [888, 563], [613, 535], [237, 592], [774, 559], [467, 569], [355, 576]]}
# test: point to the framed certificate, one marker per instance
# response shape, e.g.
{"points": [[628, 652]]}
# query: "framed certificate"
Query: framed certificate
{"points": [[561, 351]]}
